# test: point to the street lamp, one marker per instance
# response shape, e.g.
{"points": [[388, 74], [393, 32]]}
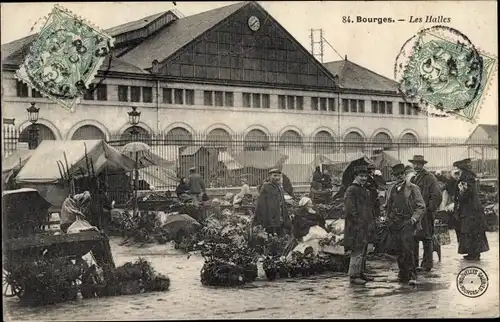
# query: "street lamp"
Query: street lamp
{"points": [[33, 130], [133, 119]]}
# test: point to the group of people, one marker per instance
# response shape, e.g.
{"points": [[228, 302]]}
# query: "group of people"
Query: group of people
{"points": [[411, 206]]}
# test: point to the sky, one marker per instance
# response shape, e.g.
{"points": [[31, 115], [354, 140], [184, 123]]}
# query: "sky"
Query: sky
{"points": [[374, 46]]}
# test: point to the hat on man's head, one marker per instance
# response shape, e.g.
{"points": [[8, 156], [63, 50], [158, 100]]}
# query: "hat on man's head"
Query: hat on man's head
{"points": [[360, 169], [274, 170], [409, 168], [418, 159], [192, 169], [398, 168], [462, 163]]}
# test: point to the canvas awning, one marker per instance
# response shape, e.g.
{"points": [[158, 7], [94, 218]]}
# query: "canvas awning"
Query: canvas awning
{"points": [[227, 159], [42, 165], [261, 159], [14, 162]]}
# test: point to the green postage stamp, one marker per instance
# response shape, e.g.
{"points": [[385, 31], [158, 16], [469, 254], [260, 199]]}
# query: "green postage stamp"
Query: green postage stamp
{"points": [[444, 71], [65, 57]]}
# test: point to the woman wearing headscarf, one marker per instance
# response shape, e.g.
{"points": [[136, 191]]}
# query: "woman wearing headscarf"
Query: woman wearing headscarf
{"points": [[74, 208], [470, 214], [182, 189]]}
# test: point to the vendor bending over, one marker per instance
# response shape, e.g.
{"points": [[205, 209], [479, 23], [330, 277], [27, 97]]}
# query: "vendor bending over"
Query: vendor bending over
{"points": [[74, 208]]}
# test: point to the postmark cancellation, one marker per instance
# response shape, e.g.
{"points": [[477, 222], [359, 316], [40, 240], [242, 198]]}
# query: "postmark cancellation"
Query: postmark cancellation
{"points": [[65, 57], [441, 69]]}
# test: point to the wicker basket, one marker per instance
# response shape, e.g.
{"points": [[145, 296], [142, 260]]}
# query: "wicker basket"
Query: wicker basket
{"points": [[442, 234]]}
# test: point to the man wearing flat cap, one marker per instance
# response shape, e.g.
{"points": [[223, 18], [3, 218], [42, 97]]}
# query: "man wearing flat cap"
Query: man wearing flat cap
{"points": [[405, 208], [271, 211], [359, 223], [472, 223], [431, 193]]}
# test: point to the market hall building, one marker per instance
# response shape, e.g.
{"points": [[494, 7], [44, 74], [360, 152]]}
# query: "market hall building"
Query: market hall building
{"points": [[232, 73]]}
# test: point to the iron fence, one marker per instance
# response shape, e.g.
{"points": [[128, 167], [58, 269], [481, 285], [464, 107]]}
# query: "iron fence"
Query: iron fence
{"points": [[222, 159]]}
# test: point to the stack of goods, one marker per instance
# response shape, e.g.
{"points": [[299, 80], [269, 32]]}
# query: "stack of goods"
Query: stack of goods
{"points": [[151, 200], [334, 210], [141, 228], [45, 281], [134, 278], [228, 263], [488, 195]]}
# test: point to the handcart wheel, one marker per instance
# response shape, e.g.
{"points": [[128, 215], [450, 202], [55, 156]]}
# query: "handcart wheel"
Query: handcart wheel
{"points": [[10, 287]]}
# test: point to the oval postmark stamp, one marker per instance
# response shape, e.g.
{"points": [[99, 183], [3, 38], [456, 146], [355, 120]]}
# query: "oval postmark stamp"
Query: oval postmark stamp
{"points": [[440, 68], [472, 281], [65, 57]]}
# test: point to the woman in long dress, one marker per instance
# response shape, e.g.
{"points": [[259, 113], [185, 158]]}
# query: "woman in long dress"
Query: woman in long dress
{"points": [[471, 220]]}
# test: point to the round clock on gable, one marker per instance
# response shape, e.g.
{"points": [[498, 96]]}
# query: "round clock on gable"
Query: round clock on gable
{"points": [[254, 23]]}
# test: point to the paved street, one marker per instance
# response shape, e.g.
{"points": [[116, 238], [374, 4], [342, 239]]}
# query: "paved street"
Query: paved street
{"points": [[326, 296]]}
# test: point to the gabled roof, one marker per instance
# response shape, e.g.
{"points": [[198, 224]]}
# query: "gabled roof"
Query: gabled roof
{"points": [[490, 129], [134, 25], [179, 34], [353, 76], [191, 150]]}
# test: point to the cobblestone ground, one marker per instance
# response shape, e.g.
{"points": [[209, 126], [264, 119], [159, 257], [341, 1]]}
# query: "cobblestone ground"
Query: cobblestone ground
{"points": [[325, 296]]}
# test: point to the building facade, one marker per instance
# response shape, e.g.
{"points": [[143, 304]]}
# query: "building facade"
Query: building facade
{"points": [[232, 72]]}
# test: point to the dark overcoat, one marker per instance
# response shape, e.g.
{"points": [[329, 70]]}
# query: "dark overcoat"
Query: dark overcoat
{"points": [[431, 193], [359, 221], [468, 206], [271, 210]]}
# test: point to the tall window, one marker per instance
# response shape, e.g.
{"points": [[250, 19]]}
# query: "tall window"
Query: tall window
{"points": [[415, 109], [247, 99], [22, 89], [266, 103], [102, 92], [353, 106], [147, 94], [89, 94], [167, 95], [361, 106], [345, 105], [401, 108], [290, 104], [374, 106], [229, 99], [388, 108], [256, 100], [408, 109], [314, 103], [189, 97], [178, 96], [208, 98], [282, 102], [322, 104], [135, 94], [219, 98], [331, 104], [35, 93], [299, 103], [122, 93], [381, 107]]}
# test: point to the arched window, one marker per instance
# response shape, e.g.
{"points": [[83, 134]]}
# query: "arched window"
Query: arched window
{"points": [[382, 140], [409, 139], [179, 136], [290, 139], [142, 135], [218, 138], [256, 140], [43, 133], [324, 142], [353, 142], [88, 132]]}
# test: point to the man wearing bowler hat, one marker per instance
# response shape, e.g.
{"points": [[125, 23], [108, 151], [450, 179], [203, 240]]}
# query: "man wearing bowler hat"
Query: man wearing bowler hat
{"points": [[196, 184], [271, 211], [405, 208], [431, 193], [359, 223]]}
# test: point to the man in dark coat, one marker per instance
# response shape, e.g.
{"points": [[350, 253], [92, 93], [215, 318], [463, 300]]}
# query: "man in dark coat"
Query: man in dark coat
{"points": [[405, 208], [359, 222], [196, 184], [271, 211], [372, 186], [431, 193], [471, 220]]}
